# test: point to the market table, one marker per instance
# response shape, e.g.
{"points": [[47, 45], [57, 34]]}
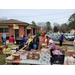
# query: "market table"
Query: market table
{"points": [[32, 62]]}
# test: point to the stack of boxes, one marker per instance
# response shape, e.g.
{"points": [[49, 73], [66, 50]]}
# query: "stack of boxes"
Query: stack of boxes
{"points": [[18, 53], [45, 58], [34, 55], [24, 56], [31, 55]]}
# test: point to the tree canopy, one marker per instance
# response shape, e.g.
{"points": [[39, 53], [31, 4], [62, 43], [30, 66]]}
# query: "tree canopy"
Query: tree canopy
{"points": [[33, 23]]}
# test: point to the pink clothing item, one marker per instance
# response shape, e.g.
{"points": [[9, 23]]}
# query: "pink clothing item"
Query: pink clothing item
{"points": [[52, 46]]}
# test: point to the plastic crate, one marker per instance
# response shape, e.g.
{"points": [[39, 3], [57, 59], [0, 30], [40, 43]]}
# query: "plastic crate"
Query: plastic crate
{"points": [[58, 59]]}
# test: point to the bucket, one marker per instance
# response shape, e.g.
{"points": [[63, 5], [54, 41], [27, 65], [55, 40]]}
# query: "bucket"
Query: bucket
{"points": [[35, 46]]}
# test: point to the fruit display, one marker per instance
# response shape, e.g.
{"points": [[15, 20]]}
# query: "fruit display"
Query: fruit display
{"points": [[8, 51]]}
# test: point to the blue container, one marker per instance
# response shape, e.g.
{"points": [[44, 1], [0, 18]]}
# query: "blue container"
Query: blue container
{"points": [[35, 46]]}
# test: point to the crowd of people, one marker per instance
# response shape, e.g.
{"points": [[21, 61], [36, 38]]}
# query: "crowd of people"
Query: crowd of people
{"points": [[33, 43]]}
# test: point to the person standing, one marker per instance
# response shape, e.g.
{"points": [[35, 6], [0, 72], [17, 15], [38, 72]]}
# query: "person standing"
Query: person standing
{"points": [[51, 46], [43, 35], [46, 40], [30, 43], [25, 39], [61, 39], [11, 39], [36, 41]]}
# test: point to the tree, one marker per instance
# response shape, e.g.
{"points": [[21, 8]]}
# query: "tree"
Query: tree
{"points": [[48, 24], [33, 23], [71, 20], [42, 24], [56, 29], [63, 27]]}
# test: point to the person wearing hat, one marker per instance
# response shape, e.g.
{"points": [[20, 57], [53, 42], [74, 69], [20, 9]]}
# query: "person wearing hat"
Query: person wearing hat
{"points": [[52, 46], [46, 40]]}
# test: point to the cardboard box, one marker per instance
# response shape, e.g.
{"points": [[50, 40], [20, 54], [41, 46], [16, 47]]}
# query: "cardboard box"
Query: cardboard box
{"points": [[10, 58], [24, 55], [18, 54], [22, 51], [30, 56], [44, 45], [36, 56], [70, 52]]}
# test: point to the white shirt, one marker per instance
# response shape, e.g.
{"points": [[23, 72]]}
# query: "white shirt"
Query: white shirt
{"points": [[45, 40]]}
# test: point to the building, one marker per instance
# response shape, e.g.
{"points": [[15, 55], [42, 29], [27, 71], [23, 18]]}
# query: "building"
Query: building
{"points": [[41, 30], [72, 31], [16, 28]]}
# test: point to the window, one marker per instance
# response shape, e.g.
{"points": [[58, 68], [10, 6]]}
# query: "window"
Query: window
{"points": [[4, 30]]}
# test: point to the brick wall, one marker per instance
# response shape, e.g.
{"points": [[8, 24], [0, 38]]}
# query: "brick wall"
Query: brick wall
{"points": [[21, 31], [31, 31], [11, 31], [1, 35], [25, 30]]}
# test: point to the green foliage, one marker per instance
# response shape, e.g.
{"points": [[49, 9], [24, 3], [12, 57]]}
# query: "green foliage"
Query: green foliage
{"points": [[45, 32], [19, 38], [48, 24], [71, 20], [56, 29], [33, 23], [1, 43], [39, 33]]}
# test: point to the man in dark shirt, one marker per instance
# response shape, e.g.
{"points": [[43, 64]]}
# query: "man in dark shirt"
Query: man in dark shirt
{"points": [[36, 41]]}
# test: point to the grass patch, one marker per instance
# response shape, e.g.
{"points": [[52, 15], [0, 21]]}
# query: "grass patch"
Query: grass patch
{"points": [[1, 43], [2, 59], [55, 32]]}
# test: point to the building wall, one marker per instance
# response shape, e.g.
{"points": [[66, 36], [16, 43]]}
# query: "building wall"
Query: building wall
{"points": [[21, 31], [25, 31], [11, 31], [31, 31]]}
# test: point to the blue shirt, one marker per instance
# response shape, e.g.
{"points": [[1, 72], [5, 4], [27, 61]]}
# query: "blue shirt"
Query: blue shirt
{"points": [[61, 38]]}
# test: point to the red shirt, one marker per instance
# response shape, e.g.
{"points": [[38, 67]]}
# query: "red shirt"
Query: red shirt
{"points": [[43, 35], [11, 39]]}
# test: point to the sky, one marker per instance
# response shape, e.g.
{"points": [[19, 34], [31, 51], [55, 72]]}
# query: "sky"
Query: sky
{"points": [[38, 15]]}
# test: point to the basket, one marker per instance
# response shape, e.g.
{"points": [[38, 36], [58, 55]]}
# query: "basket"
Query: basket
{"points": [[58, 59]]}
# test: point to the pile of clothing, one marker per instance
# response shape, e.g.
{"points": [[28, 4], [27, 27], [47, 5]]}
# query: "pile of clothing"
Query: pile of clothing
{"points": [[57, 52]]}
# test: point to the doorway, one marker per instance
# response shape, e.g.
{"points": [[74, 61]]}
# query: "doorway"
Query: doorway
{"points": [[28, 32], [33, 31], [16, 32]]}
